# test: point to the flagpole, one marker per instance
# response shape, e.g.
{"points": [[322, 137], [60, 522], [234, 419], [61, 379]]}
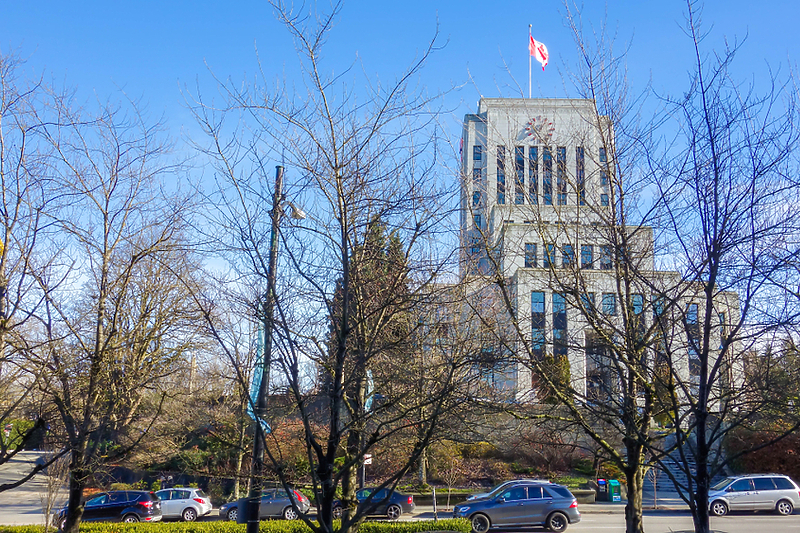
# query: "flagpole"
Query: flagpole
{"points": [[530, 36]]}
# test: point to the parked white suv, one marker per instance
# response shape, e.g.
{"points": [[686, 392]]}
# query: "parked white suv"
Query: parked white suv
{"points": [[754, 492], [185, 503]]}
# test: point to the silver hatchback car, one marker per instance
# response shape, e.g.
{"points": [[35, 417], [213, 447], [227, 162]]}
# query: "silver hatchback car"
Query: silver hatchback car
{"points": [[755, 492], [185, 503]]}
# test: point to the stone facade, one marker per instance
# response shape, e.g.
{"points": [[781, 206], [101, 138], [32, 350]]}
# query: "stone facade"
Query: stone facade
{"points": [[541, 209]]}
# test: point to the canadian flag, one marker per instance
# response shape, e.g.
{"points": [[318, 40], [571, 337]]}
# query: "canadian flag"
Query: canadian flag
{"points": [[539, 51]]}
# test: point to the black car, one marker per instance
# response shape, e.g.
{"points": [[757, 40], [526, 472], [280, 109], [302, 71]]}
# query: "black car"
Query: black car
{"points": [[119, 506], [384, 502]]}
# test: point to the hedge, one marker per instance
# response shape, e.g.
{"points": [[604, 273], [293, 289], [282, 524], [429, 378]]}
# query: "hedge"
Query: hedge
{"points": [[459, 525]]}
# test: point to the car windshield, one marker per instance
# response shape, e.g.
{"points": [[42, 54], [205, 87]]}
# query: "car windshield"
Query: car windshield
{"points": [[498, 489], [721, 484]]}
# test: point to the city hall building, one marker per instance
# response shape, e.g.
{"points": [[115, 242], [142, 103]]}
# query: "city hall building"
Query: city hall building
{"points": [[540, 211]]}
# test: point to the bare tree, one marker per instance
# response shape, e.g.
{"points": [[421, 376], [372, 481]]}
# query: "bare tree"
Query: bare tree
{"points": [[28, 195], [345, 319], [115, 321], [730, 206], [563, 243]]}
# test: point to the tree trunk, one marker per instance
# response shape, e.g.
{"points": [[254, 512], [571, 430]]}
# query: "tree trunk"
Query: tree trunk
{"points": [[239, 459], [423, 467], [633, 509], [700, 514], [350, 477], [77, 482]]}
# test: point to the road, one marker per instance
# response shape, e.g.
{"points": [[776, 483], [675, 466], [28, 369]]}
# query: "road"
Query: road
{"points": [[23, 506], [680, 522]]}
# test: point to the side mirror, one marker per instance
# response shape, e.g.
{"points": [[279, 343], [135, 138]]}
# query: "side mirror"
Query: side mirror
{"points": [[500, 499]]}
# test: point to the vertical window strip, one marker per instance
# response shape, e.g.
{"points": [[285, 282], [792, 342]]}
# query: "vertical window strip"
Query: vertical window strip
{"points": [[549, 259], [567, 256], [606, 259], [559, 325], [587, 253], [533, 174], [561, 177], [501, 174], [519, 182], [580, 174], [609, 303], [547, 176], [530, 255], [537, 323]]}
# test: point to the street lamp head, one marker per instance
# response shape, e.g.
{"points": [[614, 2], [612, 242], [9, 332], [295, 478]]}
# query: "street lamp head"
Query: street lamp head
{"points": [[297, 213]]}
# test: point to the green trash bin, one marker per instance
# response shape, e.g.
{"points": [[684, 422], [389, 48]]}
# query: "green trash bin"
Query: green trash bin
{"points": [[613, 491]]}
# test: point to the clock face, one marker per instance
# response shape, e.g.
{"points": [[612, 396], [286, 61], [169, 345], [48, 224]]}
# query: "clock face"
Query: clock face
{"points": [[540, 127]]}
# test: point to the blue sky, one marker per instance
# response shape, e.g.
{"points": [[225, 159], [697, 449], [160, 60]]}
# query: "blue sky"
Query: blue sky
{"points": [[151, 49]]}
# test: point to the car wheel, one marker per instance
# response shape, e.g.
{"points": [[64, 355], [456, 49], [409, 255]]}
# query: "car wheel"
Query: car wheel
{"points": [[130, 518], [719, 508], [233, 514], [393, 512], [337, 512], [189, 514], [784, 507], [480, 523], [557, 522], [289, 514]]}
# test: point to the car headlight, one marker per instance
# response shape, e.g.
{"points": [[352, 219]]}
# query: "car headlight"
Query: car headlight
{"points": [[462, 509]]}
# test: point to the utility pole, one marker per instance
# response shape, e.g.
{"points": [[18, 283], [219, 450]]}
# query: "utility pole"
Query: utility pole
{"points": [[257, 469]]}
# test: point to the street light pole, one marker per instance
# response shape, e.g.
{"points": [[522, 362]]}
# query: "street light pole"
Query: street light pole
{"points": [[257, 468]]}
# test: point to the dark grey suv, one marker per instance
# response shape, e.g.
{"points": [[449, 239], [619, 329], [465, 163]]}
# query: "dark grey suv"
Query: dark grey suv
{"points": [[524, 503]]}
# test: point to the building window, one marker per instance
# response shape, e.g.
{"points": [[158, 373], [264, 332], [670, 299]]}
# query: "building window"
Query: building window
{"points": [[692, 326], [609, 303], [549, 259], [547, 176], [476, 198], [606, 259], [637, 301], [559, 325], [587, 300], [561, 177], [475, 247], [603, 158], [603, 178], [530, 255], [537, 323], [587, 256], [476, 218], [519, 182], [533, 174], [604, 200], [691, 314], [567, 256], [501, 174], [477, 150], [580, 174], [477, 177]]}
